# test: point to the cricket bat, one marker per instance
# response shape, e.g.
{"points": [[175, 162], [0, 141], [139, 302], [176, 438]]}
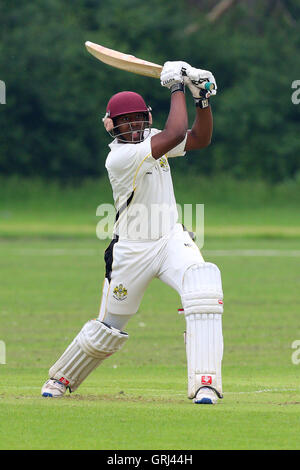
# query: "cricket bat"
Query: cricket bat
{"points": [[130, 63]]}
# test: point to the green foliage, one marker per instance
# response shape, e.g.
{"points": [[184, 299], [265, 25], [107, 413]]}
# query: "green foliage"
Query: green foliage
{"points": [[57, 92]]}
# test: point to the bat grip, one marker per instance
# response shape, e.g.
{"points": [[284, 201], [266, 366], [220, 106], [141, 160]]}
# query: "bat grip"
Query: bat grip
{"points": [[205, 85], [208, 86]]}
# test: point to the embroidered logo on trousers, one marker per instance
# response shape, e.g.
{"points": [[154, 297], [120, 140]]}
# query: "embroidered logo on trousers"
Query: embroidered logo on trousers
{"points": [[120, 292]]}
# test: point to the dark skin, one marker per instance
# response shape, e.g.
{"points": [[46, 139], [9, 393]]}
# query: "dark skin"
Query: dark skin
{"points": [[199, 136], [130, 122]]}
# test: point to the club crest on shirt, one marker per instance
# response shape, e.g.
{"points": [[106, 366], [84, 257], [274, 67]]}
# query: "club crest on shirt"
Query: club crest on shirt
{"points": [[164, 164], [120, 292]]}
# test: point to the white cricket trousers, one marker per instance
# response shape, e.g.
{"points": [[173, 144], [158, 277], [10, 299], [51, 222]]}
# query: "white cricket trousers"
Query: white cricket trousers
{"points": [[131, 266]]}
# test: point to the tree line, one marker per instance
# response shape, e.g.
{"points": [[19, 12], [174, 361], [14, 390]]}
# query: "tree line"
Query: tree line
{"points": [[56, 93]]}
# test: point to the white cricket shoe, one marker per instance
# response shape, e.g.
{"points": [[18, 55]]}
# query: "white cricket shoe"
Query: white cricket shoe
{"points": [[206, 396], [53, 388]]}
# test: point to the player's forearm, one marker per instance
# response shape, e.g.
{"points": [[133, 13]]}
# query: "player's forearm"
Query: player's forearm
{"points": [[177, 122], [203, 126], [201, 132], [175, 129]]}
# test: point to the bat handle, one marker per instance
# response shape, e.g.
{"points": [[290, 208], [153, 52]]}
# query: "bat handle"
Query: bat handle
{"points": [[208, 86]]}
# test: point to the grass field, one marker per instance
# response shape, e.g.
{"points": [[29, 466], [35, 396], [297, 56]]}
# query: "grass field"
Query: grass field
{"points": [[51, 267]]}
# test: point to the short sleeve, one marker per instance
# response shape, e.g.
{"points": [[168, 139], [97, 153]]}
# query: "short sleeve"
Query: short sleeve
{"points": [[177, 151]]}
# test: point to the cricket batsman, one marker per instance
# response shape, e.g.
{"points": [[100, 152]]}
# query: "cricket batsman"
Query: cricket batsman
{"points": [[148, 242]]}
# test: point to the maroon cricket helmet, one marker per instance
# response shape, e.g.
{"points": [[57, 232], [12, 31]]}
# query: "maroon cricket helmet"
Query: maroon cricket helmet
{"points": [[126, 102]]}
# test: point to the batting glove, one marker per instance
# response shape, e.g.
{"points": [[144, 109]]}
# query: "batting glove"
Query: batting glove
{"points": [[198, 76], [171, 75], [201, 96]]}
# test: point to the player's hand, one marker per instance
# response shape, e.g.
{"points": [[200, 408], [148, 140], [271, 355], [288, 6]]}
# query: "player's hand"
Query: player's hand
{"points": [[171, 73], [197, 92], [198, 76]]}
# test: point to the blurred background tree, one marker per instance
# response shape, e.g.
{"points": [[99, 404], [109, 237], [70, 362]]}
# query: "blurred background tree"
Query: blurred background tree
{"points": [[57, 93]]}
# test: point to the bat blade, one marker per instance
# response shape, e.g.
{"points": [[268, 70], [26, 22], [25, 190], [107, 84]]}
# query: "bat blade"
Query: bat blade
{"points": [[122, 61]]}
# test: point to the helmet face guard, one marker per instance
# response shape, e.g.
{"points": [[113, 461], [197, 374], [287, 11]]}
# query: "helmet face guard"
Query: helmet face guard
{"points": [[127, 102], [137, 131]]}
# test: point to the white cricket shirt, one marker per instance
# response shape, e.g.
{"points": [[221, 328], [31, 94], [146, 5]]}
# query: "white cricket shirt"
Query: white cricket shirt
{"points": [[142, 189]]}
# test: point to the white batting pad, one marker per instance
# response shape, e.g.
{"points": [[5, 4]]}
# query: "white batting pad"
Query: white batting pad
{"points": [[204, 350], [94, 343], [202, 289], [202, 301]]}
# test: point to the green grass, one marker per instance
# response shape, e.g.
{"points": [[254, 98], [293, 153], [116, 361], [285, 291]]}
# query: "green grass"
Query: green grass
{"points": [[137, 398], [243, 209], [51, 268]]}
